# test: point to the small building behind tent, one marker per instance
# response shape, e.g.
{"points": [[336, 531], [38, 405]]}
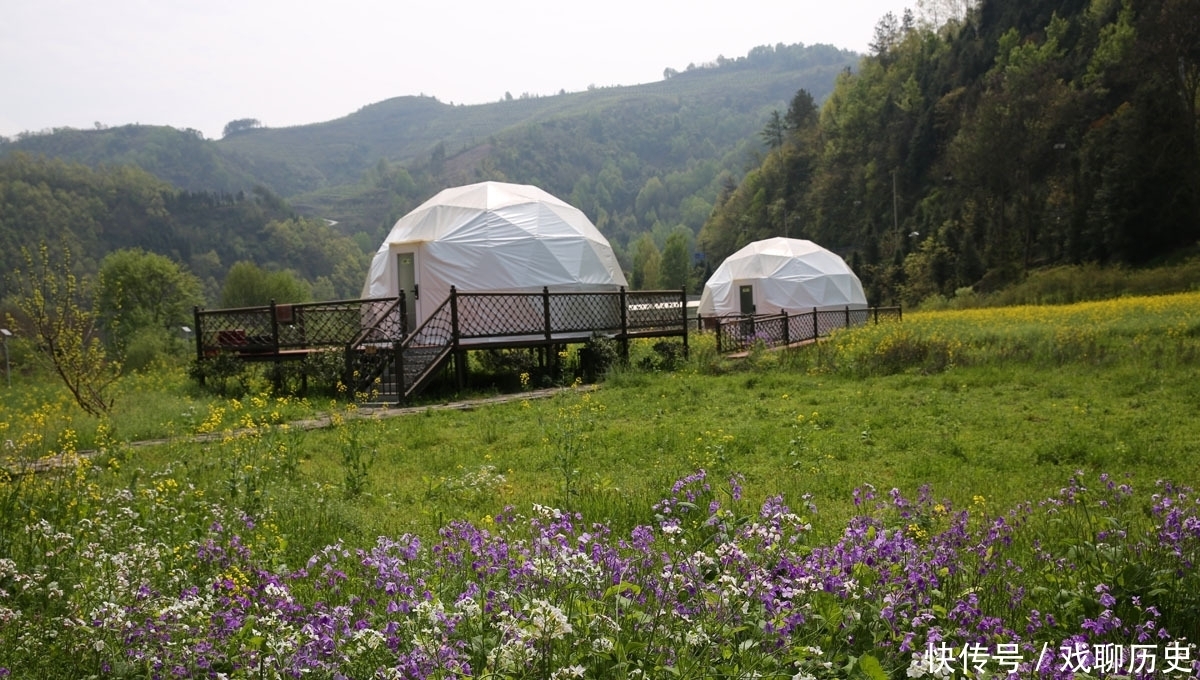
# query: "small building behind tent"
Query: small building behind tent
{"points": [[781, 274], [491, 237]]}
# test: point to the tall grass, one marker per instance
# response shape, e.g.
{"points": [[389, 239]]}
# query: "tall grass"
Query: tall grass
{"points": [[1151, 332], [1079, 283]]}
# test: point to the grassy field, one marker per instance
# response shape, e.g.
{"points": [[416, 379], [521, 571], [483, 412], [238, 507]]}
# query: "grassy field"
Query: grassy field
{"points": [[1013, 453]]}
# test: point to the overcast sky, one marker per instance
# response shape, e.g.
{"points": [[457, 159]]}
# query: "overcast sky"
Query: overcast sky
{"points": [[202, 63]]}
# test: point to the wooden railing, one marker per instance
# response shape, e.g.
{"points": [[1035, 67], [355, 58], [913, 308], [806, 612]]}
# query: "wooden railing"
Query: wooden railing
{"points": [[383, 355], [289, 331], [738, 333]]}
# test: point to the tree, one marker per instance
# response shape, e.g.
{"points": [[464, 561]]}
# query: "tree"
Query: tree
{"points": [[437, 159], [936, 13], [802, 113], [676, 264], [138, 291], [240, 125], [64, 326], [646, 263], [1176, 42], [653, 194], [1027, 102], [248, 285], [312, 249], [887, 35], [773, 133]]}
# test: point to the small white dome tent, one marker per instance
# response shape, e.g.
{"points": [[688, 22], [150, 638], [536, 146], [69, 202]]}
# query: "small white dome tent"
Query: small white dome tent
{"points": [[778, 274], [490, 237]]}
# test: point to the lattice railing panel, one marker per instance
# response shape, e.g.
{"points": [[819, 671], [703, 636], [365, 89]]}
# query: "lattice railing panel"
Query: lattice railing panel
{"points": [[829, 321], [801, 328], [425, 347], [582, 312], [743, 332], [482, 315], [490, 315], [367, 365], [437, 330], [381, 321], [733, 333], [882, 314], [649, 310], [290, 326], [332, 324], [740, 332], [235, 329]]}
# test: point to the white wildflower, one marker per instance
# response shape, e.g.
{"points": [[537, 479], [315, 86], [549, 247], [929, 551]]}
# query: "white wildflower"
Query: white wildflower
{"points": [[548, 621], [696, 637], [469, 607], [367, 639]]}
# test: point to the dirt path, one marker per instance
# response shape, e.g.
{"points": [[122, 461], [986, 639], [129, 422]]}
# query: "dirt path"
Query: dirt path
{"points": [[465, 405], [314, 423]]}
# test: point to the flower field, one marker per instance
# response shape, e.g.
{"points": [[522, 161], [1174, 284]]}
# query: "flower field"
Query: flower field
{"points": [[968, 494]]}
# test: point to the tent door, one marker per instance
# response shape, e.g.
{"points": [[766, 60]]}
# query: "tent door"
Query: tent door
{"points": [[746, 297], [746, 306], [406, 276]]}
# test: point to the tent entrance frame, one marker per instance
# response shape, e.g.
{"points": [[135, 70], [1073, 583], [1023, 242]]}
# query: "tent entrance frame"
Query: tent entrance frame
{"points": [[407, 279], [746, 306], [746, 298]]}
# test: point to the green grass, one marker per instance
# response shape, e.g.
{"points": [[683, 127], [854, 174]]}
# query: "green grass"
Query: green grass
{"points": [[812, 420], [1017, 405]]}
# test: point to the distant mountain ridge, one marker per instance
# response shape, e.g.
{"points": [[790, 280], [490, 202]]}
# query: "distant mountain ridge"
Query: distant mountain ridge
{"points": [[402, 129], [352, 169]]}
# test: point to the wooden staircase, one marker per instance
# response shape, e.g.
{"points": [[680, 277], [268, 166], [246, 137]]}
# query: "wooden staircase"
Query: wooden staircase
{"points": [[396, 370]]}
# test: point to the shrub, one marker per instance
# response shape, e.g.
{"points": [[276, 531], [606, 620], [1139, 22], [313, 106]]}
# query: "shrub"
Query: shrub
{"points": [[223, 373], [325, 371], [511, 361], [597, 356], [146, 346]]}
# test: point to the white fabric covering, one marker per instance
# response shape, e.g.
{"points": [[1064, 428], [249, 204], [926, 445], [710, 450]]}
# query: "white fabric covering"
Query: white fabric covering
{"points": [[494, 237], [787, 274]]}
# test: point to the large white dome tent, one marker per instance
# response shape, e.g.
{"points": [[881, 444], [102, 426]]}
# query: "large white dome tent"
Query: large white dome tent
{"points": [[490, 237], [781, 274]]}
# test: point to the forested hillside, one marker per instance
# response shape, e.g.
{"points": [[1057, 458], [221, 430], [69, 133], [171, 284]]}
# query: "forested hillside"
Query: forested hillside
{"points": [[642, 162], [969, 153], [95, 212], [181, 157]]}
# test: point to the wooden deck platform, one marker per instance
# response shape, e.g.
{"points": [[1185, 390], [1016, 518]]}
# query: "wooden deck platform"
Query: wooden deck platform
{"points": [[380, 348]]}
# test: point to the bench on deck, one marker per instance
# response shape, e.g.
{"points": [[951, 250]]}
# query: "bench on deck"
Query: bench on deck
{"points": [[258, 347]]}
